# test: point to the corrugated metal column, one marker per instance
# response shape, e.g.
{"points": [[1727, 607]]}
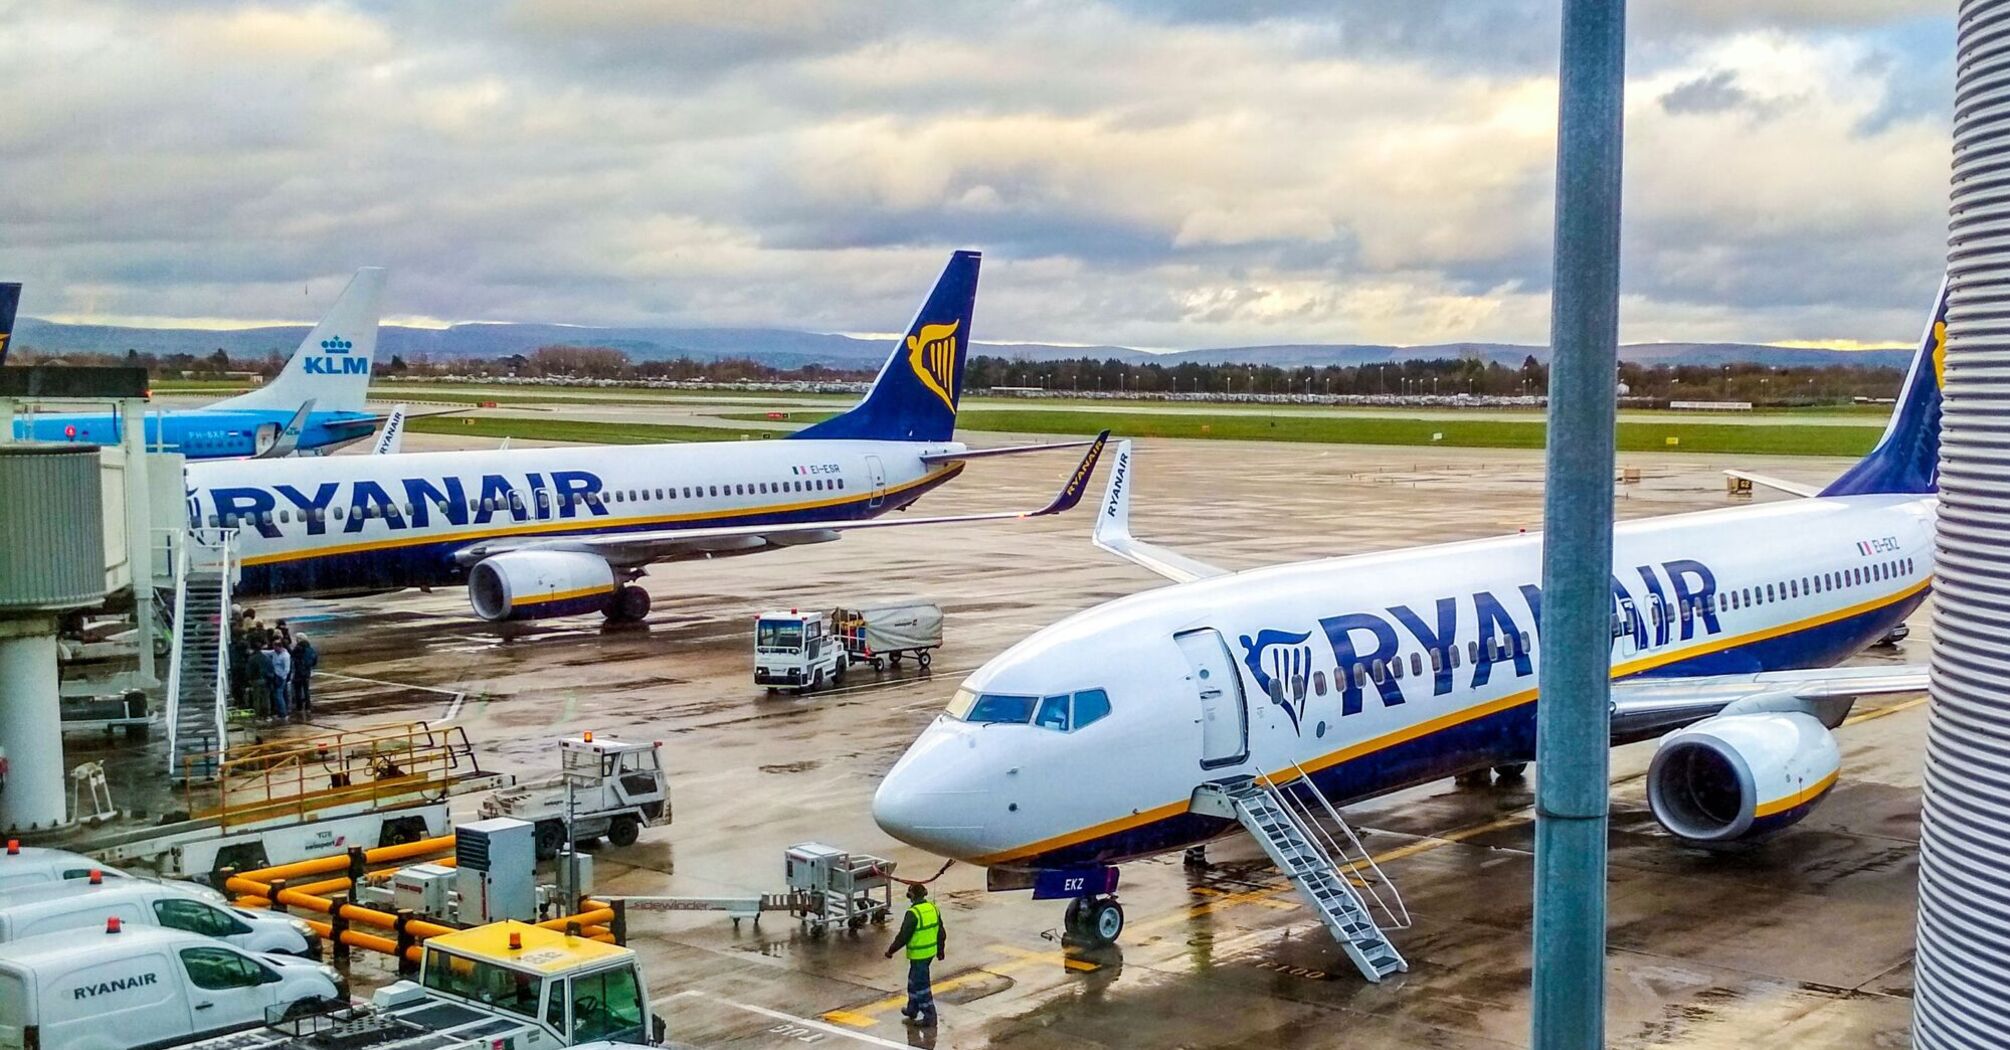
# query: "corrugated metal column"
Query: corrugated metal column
{"points": [[1574, 729], [1962, 994]]}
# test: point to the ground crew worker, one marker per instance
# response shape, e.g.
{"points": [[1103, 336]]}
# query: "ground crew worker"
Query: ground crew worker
{"points": [[921, 934]]}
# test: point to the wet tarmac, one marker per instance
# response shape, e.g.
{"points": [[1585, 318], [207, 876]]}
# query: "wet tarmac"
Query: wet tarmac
{"points": [[1805, 941]]}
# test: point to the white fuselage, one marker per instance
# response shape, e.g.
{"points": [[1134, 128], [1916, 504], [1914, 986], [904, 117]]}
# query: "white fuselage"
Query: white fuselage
{"points": [[1371, 672], [359, 523]]}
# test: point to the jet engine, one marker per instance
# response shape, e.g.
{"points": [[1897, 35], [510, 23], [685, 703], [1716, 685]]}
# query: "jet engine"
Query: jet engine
{"points": [[531, 585], [1741, 776]]}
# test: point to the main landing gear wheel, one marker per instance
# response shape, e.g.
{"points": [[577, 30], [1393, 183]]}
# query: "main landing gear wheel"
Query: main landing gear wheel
{"points": [[1511, 771], [630, 605], [1097, 921]]}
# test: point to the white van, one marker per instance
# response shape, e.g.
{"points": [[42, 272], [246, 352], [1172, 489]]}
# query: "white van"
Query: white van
{"points": [[144, 986], [137, 902], [22, 867]]}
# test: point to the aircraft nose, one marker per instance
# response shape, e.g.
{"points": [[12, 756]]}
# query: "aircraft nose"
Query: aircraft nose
{"points": [[920, 803]]}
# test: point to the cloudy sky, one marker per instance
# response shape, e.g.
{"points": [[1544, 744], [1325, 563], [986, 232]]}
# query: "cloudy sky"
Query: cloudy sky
{"points": [[1160, 173]]}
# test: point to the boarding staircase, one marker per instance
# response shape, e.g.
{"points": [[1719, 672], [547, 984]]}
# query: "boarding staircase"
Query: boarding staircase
{"points": [[1338, 881], [198, 686]]}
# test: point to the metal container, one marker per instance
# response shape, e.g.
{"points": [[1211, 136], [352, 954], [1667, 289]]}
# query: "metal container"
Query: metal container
{"points": [[52, 543]]}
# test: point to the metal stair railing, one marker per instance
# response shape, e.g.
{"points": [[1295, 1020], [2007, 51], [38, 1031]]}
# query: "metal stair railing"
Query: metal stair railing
{"points": [[179, 558], [1358, 863], [1292, 846], [198, 709]]}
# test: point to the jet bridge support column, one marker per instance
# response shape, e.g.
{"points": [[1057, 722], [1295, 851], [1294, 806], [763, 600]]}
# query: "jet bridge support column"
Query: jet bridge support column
{"points": [[52, 560], [1574, 723], [1962, 994]]}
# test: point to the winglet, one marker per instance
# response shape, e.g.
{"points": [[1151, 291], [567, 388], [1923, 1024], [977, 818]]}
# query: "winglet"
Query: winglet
{"points": [[289, 436], [1113, 522], [392, 438], [1078, 482], [1113, 530]]}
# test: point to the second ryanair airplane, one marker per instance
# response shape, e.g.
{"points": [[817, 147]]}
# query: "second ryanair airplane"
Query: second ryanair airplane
{"points": [[562, 531], [1266, 698]]}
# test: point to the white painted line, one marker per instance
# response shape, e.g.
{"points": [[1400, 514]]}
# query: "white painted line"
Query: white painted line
{"points": [[828, 1029]]}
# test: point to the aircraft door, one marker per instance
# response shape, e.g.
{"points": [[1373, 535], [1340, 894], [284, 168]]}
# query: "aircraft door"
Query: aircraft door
{"points": [[1224, 713], [263, 439], [877, 472]]}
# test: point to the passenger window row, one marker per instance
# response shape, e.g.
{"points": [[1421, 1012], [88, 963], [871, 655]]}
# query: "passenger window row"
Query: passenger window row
{"points": [[545, 501], [1819, 583], [1380, 671]]}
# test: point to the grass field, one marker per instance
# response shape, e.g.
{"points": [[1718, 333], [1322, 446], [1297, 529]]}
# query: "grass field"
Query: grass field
{"points": [[569, 430], [1786, 439]]}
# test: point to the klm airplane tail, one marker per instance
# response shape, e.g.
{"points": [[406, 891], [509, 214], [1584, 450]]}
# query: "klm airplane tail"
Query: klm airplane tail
{"points": [[1907, 457], [10, 297], [914, 398], [331, 367]]}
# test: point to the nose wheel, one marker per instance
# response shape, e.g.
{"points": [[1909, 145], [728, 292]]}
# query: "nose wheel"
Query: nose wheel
{"points": [[1096, 921]]}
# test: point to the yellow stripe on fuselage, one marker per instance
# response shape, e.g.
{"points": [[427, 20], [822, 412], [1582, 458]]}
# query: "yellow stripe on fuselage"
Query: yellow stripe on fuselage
{"points": [[1449, 720], [589, 525], [560, 596], [1807, 794]]}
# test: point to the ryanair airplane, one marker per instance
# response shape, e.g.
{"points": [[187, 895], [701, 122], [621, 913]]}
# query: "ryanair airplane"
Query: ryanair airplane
{"points": [[562, 531], [1151, 723], [314, 404]]}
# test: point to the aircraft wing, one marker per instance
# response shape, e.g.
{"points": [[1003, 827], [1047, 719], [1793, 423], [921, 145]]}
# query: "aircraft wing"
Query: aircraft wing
{"points": [[1113, 530], [1767, 481], [1014, 450], [1643, 707], [641, 548], [289, 435]]}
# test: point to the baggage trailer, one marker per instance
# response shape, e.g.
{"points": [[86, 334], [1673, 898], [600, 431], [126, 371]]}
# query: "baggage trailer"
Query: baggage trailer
{"points": [[882, 633]]}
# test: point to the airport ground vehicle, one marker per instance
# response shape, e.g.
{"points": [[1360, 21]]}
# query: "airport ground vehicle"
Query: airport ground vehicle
{"points": [[140, 902], [883, 632], [507, 984], [798, 650], [31, 867], [618, 788], [126, 986]]}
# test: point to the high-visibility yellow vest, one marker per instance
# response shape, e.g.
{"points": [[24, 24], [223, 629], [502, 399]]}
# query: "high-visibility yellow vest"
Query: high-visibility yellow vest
{"points": [[927, 936]]}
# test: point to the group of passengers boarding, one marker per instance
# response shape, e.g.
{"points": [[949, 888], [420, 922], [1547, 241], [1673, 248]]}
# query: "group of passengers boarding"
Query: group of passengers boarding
{"points": [[271, 669]]}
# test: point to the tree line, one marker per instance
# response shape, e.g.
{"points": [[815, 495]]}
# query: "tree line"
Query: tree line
{"points": [[1441, 377]]}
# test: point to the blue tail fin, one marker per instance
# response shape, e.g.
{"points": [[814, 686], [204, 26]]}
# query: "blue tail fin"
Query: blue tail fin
{"points": [[914, 398], [1907, 457], [10, 297]]}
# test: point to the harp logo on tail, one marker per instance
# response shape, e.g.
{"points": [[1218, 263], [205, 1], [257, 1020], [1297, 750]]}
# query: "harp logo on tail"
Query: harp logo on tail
{"points": [[931, 352]]}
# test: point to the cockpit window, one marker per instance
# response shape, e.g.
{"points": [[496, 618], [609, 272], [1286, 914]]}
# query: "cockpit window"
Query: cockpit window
{"points": [[1090, 705], [999, 707], [1061, 712]]}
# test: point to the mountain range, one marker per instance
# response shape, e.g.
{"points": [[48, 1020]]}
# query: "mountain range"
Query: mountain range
{"points": [[786, 348]]}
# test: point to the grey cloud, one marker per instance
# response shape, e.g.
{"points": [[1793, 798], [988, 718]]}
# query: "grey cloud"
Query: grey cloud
{"points": [[1166, 176], [1714, 93]]}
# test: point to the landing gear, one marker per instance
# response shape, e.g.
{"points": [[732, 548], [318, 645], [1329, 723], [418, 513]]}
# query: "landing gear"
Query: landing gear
{"points": [[1511, 772], [630, 604], [1095, 921], [1196, 857]]}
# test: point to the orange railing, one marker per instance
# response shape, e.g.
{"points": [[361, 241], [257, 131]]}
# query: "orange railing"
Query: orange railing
{"points": [[298, 778]]}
